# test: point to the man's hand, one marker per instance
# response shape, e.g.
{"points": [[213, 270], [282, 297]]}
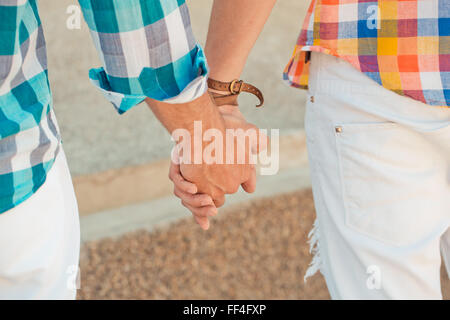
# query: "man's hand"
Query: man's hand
{"points": [[218, 179], [215, 180], [190, 188]]}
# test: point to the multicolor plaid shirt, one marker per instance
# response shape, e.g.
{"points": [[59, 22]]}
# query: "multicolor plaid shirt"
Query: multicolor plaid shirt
{"points": [[403, 45], [147, 48]]}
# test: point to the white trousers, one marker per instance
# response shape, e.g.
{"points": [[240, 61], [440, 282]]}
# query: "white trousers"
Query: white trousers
{"points": [[40, 241], [380, 167]]}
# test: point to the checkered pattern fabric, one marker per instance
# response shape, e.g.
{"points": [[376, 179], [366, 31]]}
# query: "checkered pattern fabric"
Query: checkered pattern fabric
{"points": [[147, 48], [29, 135], [403, 45]]}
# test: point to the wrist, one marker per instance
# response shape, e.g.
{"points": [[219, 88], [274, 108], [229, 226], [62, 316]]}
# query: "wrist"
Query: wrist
{"points": [[194, 119], [184, 115]]}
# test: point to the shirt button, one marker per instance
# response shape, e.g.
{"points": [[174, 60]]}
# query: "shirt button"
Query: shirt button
{"points": [[311, 99], [338, 129]]}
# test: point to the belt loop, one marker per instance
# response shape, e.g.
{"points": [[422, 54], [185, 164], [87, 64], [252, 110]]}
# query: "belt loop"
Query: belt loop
{"points": [[314, 70]]}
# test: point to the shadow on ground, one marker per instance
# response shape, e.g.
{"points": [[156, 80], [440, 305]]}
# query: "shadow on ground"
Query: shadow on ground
{"points": [[255, 251]]}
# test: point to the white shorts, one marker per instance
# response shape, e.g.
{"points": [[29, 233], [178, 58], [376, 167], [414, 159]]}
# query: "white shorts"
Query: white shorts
{"points": [[380, 167], [40, 241]]}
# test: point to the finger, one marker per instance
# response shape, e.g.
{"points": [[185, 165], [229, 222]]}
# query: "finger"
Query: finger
{"points": [[208, 211], [199, 218], [203, 212], [219, 200], [202, 222], [195, 200], [250, 185], [179, 181]]}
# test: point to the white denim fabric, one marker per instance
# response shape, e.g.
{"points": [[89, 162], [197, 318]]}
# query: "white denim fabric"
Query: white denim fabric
{"points": [[380, 167], [40, 240]]}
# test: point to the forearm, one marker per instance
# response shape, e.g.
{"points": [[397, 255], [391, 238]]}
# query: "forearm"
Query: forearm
{"points": [[233, 30]]}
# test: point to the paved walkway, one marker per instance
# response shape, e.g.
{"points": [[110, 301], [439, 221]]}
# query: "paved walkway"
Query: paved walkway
{"points": [[253, 251]]}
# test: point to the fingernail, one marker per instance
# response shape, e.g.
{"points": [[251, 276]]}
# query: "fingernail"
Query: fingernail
{"points": [[206, 202], [213, 212], [193, 190]]}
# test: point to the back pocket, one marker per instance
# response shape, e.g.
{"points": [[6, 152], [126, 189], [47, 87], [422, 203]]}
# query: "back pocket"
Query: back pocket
{"points": [[389, 177]]}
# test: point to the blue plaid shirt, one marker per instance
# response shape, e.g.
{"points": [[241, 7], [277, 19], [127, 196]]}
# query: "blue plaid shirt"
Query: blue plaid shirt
{"points": [[147, 48]]}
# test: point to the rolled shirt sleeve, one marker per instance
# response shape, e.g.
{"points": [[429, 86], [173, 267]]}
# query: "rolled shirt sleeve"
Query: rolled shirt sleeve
{"points": [[147, 49]]}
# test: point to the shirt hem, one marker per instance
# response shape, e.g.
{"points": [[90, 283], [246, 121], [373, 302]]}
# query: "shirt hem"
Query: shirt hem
{"points": [[6, 209], [329, 51]]}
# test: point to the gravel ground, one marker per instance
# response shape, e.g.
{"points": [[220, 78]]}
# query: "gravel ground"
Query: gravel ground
{"points": [[255, 251]]}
